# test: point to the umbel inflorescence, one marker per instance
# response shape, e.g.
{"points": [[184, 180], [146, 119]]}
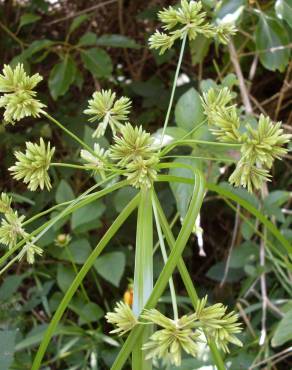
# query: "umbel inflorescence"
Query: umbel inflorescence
{"points": [[184, 334], [259, 145], [187, 20]]}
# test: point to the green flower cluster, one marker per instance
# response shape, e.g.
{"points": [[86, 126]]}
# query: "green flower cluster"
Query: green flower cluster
{"points": [[96, 162], [32, 166], [183, 334], [108, 110], [188, 19], [19, 98], [11, 230], [135, 155], [260, 146]]}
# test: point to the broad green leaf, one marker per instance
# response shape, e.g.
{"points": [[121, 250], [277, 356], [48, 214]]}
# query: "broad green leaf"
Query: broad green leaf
{"points": [[97, 61], [117, 41], [37, 46], [284, 10], [91, 312], [270, 34], [199, 48], [10, 286], [77, 22], [273, 203], [77, 251], [283, 332], [216, 272], [229, 11], [65, 276], [7, 348], [243, 254], [86, 215], [123, 197], [28, 18], [189, 110], [64, 192], [111, 267], [88, 39], [62, 76], [183, 192]]}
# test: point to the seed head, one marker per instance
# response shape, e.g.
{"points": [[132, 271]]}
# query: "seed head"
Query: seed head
{"points": [[122, 317], [32, 166]]}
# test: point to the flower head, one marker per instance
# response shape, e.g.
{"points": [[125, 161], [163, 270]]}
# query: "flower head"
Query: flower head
{"points": [[186, 20], [136, 155], [122, 317], [175, 337], [19, 98], [108, 110], [32, 166], [218, 325], [5, 203], [11, 229], [96, 163], [222, 118]]}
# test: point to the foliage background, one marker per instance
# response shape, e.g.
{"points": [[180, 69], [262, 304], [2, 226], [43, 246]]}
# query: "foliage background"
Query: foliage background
{"points": [[83, 46]]}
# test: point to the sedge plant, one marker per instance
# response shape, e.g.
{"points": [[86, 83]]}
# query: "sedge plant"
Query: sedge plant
{"points": [[135, 158]]}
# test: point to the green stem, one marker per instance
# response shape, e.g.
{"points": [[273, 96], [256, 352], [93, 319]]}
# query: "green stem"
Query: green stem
{"points": [[187, 280], [69, 165], [143, 273], [173, 260], [79, 278], [183, 44], [164, 255]]}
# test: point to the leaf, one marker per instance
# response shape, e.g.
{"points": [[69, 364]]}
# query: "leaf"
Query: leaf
{"points": [[97, 61], [88, 39], [78, 251], [283, 332], [230, 10], [183, 192], [65, 276], [123, 197], [199, 48], [270, 33], [10, 286], [189, 110], [37, 46], [64, 192], [77, 22], [216, 273], [284, 10], [62, 76], [28, 18], [117, 41], [7, 348], [86, 215], [111, 267], [91, 312], [243, 254]]}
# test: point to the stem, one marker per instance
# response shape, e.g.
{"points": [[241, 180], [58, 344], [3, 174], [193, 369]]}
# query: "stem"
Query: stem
{"points": [[79, 278], [69, 165], [143, 274], [173, 87], [173, 259], [164, 255]]}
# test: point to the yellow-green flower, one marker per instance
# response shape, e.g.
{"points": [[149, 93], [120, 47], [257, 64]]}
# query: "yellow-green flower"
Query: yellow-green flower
{"points": [[11, 229], [122, 317], [135, 155], [105, 108], [19, 98], [33, 165], [176, 336], [5, 203], [96, 163]]}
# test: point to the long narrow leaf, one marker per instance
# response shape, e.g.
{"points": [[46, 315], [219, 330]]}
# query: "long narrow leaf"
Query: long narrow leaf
{"points": [[79, 278]]}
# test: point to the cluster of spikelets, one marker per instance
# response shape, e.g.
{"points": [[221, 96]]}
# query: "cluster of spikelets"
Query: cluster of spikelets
{"points": [[187, 20], [19, 98], [132, 152], [260, 146], [11, 229], [183, 334]]}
